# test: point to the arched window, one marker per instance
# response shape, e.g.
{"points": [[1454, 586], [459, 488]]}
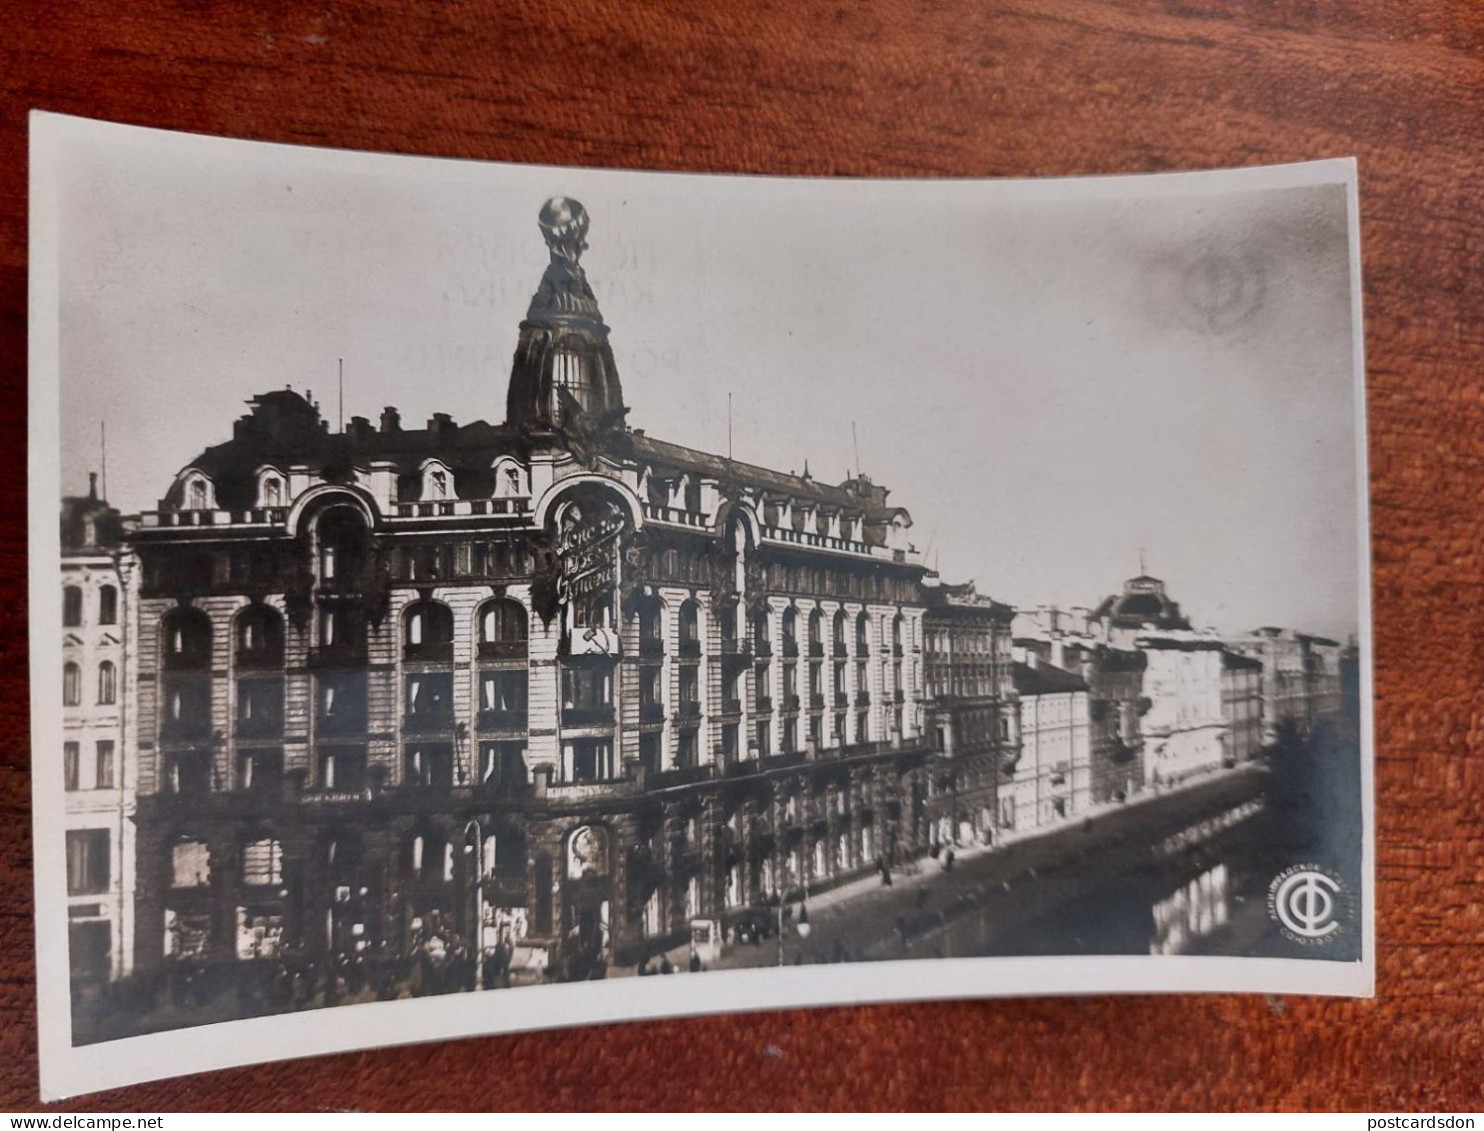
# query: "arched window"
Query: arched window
{"points": [[790, 631], [690, 628], [108, 605], [259, 637], [896, 634], [71, 685], [71, 607], [187, 639], [816, 633], [428, 632], [503, 629], [343, 539], [862, 635], [762, 633], [651, 627], [107, 684], [196, 494], [273, 491], [839, 632]]}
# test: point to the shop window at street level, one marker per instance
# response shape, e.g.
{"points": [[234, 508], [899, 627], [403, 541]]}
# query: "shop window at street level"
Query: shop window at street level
{"points": [[190, 864], [262, 863]]}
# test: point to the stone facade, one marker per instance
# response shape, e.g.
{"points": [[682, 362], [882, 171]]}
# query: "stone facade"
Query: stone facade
{"points": [[553, 682], [98, 776]]}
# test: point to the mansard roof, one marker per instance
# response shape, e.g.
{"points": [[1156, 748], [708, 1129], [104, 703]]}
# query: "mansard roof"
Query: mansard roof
{"points": [[1045, 679]]}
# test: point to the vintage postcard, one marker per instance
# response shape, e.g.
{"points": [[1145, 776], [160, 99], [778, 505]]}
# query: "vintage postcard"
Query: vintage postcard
{"points": [[473, 597]]}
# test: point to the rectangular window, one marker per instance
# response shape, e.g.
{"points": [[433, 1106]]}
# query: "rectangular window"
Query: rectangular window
{"points": [[430, 694], [689, 686], [503, 764], [342, 769], [589, 760], [586, 688], [430, 765], [503, 691], [260, 770], [649, 750], [71, 767], [87, 861], [685, 749], [341, 702], [262, 863], [104, 765]]}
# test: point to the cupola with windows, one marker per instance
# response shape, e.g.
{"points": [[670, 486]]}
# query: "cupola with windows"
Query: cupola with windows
{"points": [[564, 369]]}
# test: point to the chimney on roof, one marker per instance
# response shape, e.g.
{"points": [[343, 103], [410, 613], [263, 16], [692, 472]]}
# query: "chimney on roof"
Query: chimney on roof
{"points": [[391, 420], [360, 430], [93, 485], [441, 426], [1032, 658], [1058, 651]]}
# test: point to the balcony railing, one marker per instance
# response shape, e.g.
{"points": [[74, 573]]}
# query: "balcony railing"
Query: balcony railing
{"points": [[258, 659], [731, 706], [763, 704], [762, 648], [862, 698], [349, 722], [423, 722], [496, 718], [440, 653], [688, 710], [790, 702], [689, 649], [839, 649], [816, 702], [669, 779], [503, 649], [841, 699], [587, 716], [731, 646], [816, 648], [898, 696], [651, 712], [259, 726], [896, 650], [651, 646], [790, 646], [337, 656], [189, 728]]}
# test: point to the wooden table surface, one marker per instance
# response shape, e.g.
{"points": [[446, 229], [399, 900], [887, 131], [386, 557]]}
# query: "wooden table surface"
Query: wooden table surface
{"points": [[964, 88]]}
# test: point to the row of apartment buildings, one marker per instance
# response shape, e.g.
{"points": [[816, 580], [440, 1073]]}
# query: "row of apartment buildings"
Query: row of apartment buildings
{"points": [[560, 685]]}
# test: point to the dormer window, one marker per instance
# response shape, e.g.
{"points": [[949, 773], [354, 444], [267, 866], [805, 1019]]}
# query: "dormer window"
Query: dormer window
{"points": [[439, 480], [273, 492], [196, 495], [512, 481]]}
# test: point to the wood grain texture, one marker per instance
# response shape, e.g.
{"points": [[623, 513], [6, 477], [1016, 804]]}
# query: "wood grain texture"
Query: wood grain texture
{"points": [[966, 88]]}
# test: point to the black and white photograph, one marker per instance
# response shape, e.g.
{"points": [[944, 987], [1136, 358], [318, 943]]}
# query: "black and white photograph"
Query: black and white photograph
{"points": [[461, 592]]}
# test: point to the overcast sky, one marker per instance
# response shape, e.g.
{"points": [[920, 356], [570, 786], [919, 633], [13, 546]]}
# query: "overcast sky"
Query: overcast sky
{"points": [[1050, 376]]}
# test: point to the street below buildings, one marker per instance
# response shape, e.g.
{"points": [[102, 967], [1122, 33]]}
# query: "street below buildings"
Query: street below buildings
{"points": [[1183, 872]]}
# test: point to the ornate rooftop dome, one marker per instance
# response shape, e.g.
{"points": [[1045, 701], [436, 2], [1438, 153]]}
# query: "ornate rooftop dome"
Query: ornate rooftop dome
{"points": [[1143, 603], [564, 367]]}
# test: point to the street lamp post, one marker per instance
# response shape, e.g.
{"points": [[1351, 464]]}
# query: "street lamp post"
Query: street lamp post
{"points": [[477, 848]]}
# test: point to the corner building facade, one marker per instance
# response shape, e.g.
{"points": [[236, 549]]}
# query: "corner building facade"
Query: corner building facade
{"points": [[552, 683]]}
